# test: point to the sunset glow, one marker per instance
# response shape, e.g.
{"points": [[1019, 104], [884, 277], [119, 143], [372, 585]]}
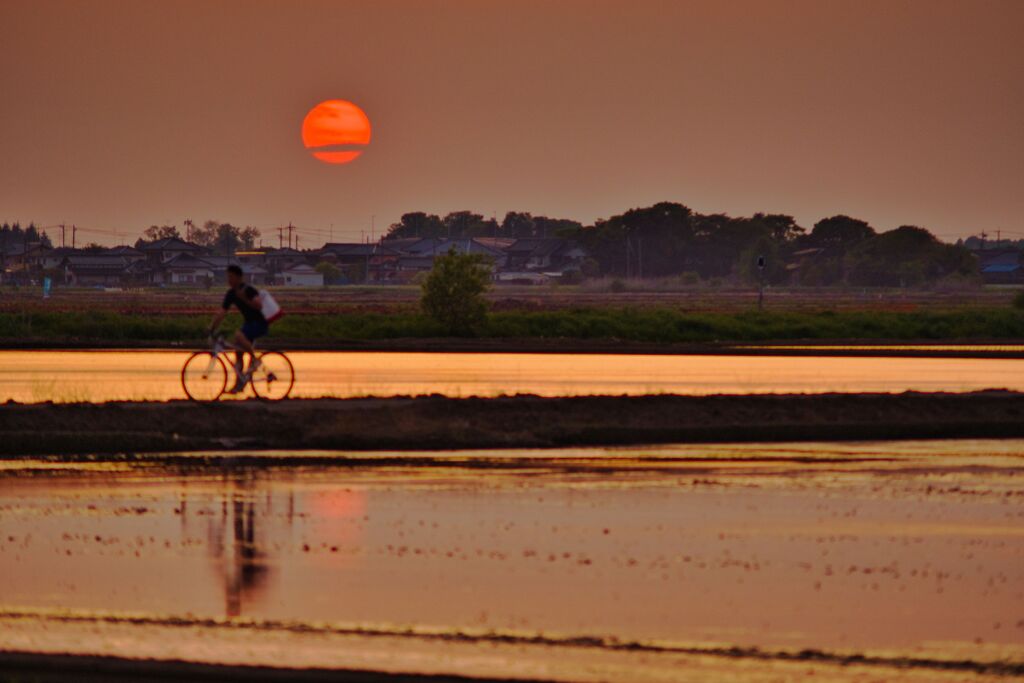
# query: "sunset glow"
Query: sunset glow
{"points": [[332, 128]]}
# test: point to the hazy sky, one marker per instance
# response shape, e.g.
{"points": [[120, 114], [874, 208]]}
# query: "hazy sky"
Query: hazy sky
{"points": [[117, 115]]}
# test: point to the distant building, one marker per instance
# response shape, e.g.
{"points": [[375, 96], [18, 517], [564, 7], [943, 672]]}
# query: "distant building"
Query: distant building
{"points": [[1000, 266], [52, 259], [549, 254], [84, 270], [189, 270], [279, 260], [161, 251], [301, 275]]}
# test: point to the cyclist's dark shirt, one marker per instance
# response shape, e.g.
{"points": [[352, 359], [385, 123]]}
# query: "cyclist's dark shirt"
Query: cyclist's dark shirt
{"points": [[248, 312]]}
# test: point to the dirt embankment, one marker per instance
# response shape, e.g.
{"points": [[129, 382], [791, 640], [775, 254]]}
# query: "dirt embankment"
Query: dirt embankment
{"points": [[513, 422]]}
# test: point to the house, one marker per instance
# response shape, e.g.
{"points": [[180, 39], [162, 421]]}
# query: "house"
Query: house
{"points": [[362, 261], [543, 254], [255, 257], [130, 254], [185, 269], [383, 267], [1003, 274], [256, 275], [87, 269], [52, 259], [1000, 266], [408, 267], [22, 259], [279, 260], [301, 275], [439, 246], [514, 277], [162, 251]]}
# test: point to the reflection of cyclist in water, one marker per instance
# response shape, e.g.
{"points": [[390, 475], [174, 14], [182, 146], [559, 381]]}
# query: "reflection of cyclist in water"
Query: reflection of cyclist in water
{"points": [[246, 299]]}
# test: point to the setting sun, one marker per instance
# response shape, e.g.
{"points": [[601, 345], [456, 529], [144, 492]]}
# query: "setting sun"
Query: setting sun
{"points": [[335, 131]]}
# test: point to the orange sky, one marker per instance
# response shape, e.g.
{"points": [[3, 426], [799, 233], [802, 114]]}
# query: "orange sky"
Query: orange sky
{"points": [[116, 115]]}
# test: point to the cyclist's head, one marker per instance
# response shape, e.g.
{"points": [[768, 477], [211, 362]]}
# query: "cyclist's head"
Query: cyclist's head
{"points": [[234, 275]]}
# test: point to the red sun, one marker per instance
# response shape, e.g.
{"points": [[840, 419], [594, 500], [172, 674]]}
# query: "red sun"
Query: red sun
{"points": [[336, 131]]}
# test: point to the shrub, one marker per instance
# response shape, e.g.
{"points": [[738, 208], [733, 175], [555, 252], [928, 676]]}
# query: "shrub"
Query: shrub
{"points": [[453, 292], [1018, 301], [617, 286], [331, 272]]}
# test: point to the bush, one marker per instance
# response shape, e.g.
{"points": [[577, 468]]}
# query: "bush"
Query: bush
{"points": [[1018, 301], [453, 293], [617, 286], [331, 272]]}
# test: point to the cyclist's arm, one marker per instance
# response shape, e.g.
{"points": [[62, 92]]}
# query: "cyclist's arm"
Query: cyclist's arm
{"points": [[217, 319], [254, 301]]}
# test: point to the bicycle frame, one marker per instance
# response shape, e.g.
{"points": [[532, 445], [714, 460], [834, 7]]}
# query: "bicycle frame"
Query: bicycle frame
{"points": [[273, 379], [222, 346]]}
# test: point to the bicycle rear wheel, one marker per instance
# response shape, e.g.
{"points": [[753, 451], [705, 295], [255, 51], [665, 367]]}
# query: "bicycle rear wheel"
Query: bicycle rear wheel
{"points": [[204, 376], [275, 377]]}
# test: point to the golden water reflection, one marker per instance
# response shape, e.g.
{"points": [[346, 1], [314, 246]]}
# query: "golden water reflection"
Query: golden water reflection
{"points": [[36, 376], [866, 546]]}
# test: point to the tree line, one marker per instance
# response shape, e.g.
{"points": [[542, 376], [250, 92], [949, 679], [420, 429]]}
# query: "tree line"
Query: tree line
{"points": [[221, 238], [669, 239], [13, 234]]}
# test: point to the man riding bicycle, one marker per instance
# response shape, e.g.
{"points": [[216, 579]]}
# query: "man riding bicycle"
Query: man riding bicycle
{"points": [[247, 300]]}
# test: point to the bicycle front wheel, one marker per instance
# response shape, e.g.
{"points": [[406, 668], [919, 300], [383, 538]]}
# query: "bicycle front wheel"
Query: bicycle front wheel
{"points": [[204, 376], [274, 378]]}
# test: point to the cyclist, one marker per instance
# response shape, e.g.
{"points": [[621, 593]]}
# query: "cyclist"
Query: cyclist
{"points": [[246, 299]]}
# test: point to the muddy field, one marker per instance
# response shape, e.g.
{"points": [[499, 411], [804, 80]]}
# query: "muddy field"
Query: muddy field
{"points": [[509, 422]]}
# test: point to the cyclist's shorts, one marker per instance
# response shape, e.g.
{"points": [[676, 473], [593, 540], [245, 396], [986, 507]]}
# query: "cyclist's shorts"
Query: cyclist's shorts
{"points": [[254, 329]]}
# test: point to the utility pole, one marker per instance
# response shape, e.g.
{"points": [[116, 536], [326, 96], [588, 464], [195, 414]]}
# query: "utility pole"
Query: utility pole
{"points": [[296, 243], [280, 238], [63, 236], [332, 232], [290, 229], [74, 232], [373, 219]]}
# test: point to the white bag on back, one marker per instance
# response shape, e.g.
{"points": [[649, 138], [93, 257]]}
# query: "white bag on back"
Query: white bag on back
{"points": [[269, 307]]}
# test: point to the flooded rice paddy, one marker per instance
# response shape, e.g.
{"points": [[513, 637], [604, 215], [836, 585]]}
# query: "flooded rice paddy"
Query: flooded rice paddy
{"points": [[37, 376], [576, 564]]}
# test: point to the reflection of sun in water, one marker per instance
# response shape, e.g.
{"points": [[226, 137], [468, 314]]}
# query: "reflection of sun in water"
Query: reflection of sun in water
{"points": [[336, 131], [338, 504]]}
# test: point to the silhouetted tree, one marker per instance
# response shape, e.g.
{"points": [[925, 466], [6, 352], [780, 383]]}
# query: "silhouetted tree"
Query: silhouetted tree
{"points": [[453, 292], [905, 257], [416, 224], [160, 232], [840, 231], [460, 224], [224, 238]]}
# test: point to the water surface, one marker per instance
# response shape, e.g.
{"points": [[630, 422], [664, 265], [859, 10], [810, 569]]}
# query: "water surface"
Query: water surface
{"points": [[914, 548], [35, 376]]}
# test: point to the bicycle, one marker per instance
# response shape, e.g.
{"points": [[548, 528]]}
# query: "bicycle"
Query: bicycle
{"points": [[204, 377]]}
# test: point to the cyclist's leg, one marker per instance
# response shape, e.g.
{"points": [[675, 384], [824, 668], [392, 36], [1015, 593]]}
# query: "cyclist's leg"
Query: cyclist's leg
{"points": [[243, 346], [247, 336]]}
